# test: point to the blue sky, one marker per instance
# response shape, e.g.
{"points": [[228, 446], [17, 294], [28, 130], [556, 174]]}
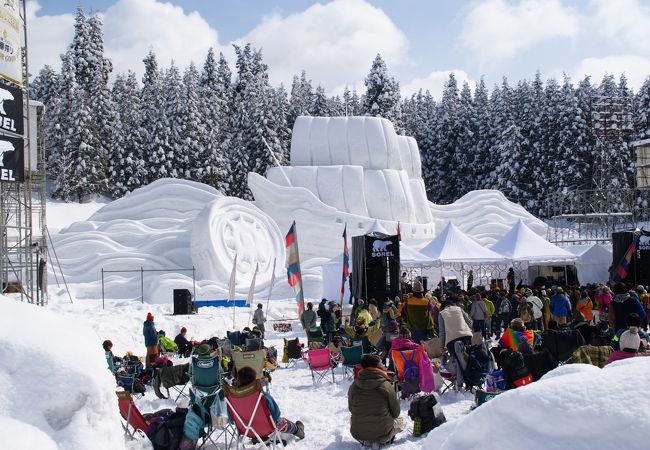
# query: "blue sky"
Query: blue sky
{"points": [[335, 41]]}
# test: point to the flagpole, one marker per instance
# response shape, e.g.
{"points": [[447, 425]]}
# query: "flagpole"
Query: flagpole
{"points": [[231, 288], [251, 293], [268, 299]]}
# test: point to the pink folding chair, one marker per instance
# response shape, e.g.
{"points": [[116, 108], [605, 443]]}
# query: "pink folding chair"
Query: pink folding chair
{"points": [[135, 421], [251, 415], [320, 363]]}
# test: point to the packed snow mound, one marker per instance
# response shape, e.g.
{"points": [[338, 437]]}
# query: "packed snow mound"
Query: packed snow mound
{"points": [[230, 227], [54, 379], [486, 215], [561, 410]]}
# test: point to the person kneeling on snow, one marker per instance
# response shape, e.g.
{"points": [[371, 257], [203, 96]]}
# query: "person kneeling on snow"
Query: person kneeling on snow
{"points": [[247, 376], [374, 405]]}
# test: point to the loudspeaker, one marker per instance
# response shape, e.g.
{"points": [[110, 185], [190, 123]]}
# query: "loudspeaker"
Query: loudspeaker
{"points": [[183, 303]]}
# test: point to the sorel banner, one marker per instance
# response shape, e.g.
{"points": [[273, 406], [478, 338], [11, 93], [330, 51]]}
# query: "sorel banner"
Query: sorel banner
{"points": [[11, 109], [10, 29], [11, 159]]}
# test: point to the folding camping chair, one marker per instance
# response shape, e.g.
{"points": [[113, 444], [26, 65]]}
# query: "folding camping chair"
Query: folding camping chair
{"points": [[315, 338], [248, 409], [399, 358], [234, 337], [351, 357], [292, 352], [320, 363], [253, 344], [135, 421], [225, 345], [255, 360]]}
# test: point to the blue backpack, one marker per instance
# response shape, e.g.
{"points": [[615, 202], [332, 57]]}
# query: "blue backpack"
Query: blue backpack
{"points": [[193, 425], [411, 375]]}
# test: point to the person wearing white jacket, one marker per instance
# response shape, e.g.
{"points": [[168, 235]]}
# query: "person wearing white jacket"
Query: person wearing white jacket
{"points": [[538, 308]]}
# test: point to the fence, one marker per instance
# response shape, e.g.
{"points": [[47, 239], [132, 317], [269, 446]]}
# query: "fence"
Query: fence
{"points": [[142, 271]]}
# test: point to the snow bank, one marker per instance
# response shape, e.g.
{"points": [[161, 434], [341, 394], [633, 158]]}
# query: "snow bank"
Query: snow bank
{"points": [[57, 392], [575, 406]]}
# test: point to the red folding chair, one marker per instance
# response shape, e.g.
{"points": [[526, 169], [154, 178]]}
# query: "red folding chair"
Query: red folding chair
{"points": [[135, 421], [248, 409], [320, 362]]}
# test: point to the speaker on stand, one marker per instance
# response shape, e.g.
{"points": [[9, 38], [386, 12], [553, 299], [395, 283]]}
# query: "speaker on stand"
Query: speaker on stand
{"points": [[183, 303]]}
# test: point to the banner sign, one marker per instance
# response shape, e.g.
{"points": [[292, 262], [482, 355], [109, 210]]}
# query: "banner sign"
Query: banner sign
{"points": [[12, 167], [10, 28], [11, 109]]}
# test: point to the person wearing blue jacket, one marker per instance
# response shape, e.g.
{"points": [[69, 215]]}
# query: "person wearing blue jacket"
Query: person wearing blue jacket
{"points": [[560, 307], [150, 340]]}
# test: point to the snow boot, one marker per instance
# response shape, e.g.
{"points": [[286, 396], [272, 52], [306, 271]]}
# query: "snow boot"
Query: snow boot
{"points": [[300, 433]]}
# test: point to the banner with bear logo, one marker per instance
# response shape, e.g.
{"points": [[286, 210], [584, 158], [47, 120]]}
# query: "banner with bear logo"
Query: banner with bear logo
{"points": [[11, 109], [12, 167]]}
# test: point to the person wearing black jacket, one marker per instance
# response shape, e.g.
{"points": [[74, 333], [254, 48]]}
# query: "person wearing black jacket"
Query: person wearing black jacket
{"points": [[323, 313], [184, 346]]}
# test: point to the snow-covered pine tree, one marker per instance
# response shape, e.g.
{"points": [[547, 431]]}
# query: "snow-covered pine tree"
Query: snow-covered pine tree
{"points": [[280, 112], [463, 171], [421, 109], [335, 105], [319, 106], [482, 160], [126, 170], [176, 159], [44, 86], [585, 95], [551, 160], [214, 88], [194, 135], [153, 127], [301, 99], [525, 117], [382, 97], [642, 111]]}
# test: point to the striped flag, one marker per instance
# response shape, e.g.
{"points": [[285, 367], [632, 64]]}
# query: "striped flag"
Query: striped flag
{"points": [[294, 276], [346, 261], [621, 271]]}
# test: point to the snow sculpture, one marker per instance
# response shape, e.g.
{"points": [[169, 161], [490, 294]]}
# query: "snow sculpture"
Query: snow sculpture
{"points": [[230, 226], [346, 170]]}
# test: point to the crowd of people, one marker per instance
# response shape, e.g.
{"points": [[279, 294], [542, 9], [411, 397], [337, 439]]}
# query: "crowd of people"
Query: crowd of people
{"points": [[606, 323]]}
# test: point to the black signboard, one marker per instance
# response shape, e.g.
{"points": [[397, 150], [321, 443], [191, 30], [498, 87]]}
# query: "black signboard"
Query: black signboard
{"points": [[11, 109], [12, 166], [376, 264]]}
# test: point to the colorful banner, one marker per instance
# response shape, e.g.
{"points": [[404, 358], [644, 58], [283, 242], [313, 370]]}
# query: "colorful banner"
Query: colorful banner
{"points": [[294, 276], [346, 261], [621, 271], [11, 26]]}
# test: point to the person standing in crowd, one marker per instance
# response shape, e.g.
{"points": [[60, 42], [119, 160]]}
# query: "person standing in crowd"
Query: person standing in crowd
{"points": [[150, 340], [604, 299], [560, 306], [489, 306], [308, 317], [538, 309], [547, 307], [418, 313], [644, 298], [454, 326], [629, 343], [622, 305], [374, 405], [511, 280], [184, 346], [259, 318], [585, 307], [470, 280], [477, 312], [504, 307], [322, 309]]}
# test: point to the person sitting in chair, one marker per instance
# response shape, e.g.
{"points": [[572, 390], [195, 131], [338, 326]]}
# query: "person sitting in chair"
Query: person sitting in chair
{"points": [[247, 376], [374, 405], [184, 346]]}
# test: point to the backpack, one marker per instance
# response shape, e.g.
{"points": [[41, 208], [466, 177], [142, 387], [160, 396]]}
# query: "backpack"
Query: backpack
{"points": [[427, 412], [168, 433], [411, 376], [193, 425], [514, 368], [478, 364], [526, 312]]}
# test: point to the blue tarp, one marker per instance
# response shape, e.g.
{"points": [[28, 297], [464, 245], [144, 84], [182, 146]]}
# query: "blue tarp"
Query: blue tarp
{"points": [[226, 303]]}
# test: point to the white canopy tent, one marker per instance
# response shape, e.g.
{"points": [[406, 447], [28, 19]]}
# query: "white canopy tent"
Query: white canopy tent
{"points": [[525, 248], [454, 253], [593, 262]]}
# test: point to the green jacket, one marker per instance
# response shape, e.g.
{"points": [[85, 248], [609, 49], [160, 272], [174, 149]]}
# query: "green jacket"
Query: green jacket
{"points": [[168, 344], [374, 406]]}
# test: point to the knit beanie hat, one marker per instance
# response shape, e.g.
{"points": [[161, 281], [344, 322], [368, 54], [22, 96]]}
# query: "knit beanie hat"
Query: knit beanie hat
{"points": [[417, 287], [630, 339], [150, 317], [204, 350]]}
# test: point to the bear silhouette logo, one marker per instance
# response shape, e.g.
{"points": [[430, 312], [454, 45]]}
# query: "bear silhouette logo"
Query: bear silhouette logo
{"points": [[644, 241], [6, 152], [5, 95], [380, 246]]}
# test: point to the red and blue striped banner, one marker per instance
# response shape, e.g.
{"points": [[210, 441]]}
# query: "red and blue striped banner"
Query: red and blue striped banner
{"points": [[621, 271], [346, 261], [294, 276]]}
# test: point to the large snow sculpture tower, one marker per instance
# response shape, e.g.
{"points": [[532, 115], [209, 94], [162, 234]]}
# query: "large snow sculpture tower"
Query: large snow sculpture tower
{"points": [[346, 170]]}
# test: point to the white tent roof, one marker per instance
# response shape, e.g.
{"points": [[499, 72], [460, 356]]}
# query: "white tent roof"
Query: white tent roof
{"points": [[523, 244], [452, 245], [376, 227], [408, 257], [593, 262]]}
